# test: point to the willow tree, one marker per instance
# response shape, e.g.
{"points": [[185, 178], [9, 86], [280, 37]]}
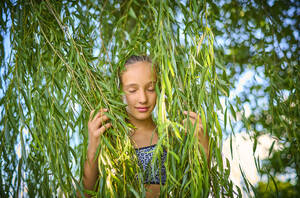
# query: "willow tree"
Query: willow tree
{"points": [[64, 62], [263, 37]]}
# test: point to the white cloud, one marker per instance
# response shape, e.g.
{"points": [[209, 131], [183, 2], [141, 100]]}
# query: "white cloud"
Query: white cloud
{"points": [[242, 152]]}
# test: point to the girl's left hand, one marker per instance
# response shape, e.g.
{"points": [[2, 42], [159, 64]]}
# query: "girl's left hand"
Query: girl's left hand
{"points": [[194, 118]]}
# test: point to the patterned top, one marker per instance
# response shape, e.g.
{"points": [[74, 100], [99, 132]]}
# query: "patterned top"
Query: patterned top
{"points": [[145, 155]]}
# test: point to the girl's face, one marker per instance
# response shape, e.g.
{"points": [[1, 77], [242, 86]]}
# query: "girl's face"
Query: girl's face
{"points": [[138, 82]]}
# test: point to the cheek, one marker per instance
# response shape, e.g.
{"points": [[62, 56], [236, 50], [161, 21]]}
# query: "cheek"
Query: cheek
{"points": [[130, 100], [153, 98]]}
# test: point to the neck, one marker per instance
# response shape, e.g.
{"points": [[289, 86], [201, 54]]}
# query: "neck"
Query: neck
{"points": [[142, 125]]}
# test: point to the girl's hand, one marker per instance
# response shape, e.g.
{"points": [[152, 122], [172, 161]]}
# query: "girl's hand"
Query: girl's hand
{"points": [[194, 118], [96, 128]]}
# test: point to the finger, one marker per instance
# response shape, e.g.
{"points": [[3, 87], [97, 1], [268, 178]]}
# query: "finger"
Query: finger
{"points": [[103, 129], [200, 120], [103, 110], [91, 114], [96, 116], [187, 123], [100, 113], [92, 118], [191, 114], [192, 120], [101, 120]]}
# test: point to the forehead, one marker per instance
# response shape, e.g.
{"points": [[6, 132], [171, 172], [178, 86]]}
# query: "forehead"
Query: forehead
{"points": [[138, 73]]}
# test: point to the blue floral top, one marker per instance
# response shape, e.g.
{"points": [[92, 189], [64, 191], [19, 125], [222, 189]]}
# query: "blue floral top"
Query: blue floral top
{"points": [[145, 155]]}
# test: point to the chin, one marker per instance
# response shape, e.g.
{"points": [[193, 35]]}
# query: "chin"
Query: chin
{"points": [[141, 116]]}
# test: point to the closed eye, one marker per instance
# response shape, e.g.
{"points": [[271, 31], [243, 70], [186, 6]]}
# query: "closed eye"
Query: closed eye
{"points": [[132, 91]]}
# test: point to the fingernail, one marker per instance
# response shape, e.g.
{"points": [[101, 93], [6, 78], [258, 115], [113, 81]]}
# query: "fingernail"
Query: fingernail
{"points": [[105, 109], [185, 112]]}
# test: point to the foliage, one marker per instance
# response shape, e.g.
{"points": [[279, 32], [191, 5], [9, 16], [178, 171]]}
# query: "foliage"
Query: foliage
{"points": [[282, 189], [64, 62], [263, 37]]}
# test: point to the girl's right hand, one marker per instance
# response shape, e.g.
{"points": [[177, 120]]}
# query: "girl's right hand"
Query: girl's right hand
{"points": [[96, 127]]}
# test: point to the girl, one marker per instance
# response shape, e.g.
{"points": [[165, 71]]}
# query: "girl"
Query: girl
{"points": [[138, 83]]}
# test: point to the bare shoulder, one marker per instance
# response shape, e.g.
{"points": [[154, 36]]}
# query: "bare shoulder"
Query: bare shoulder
{"points": [[153, 190]]}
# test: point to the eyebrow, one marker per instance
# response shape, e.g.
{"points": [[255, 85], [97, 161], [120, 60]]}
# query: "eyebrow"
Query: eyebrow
{"points": [[130, 85]]}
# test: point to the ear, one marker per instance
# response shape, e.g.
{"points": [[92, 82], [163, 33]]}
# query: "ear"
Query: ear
{"points": [[124, 99]]}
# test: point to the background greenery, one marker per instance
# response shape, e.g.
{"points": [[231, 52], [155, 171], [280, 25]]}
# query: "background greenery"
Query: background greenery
{"points": [[63, 61], [263, 37]]}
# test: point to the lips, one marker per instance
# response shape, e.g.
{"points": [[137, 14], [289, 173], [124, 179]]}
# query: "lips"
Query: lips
{"points": [[142, 109]]}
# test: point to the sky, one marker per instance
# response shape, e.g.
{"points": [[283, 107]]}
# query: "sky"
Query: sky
{"points": [[242, 156]]}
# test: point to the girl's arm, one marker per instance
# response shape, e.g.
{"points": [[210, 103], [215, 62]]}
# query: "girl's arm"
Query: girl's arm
{"points": [[202, 137], [96, 128]]}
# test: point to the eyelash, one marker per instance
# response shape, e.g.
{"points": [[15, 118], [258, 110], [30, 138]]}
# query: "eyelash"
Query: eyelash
{"points": [[132, 91]]}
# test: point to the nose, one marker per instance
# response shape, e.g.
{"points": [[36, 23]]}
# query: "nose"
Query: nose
{"points": [[142, 97]]}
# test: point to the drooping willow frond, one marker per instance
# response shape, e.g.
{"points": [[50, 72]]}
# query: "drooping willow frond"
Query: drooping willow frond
{"points": [[65, 60]]}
